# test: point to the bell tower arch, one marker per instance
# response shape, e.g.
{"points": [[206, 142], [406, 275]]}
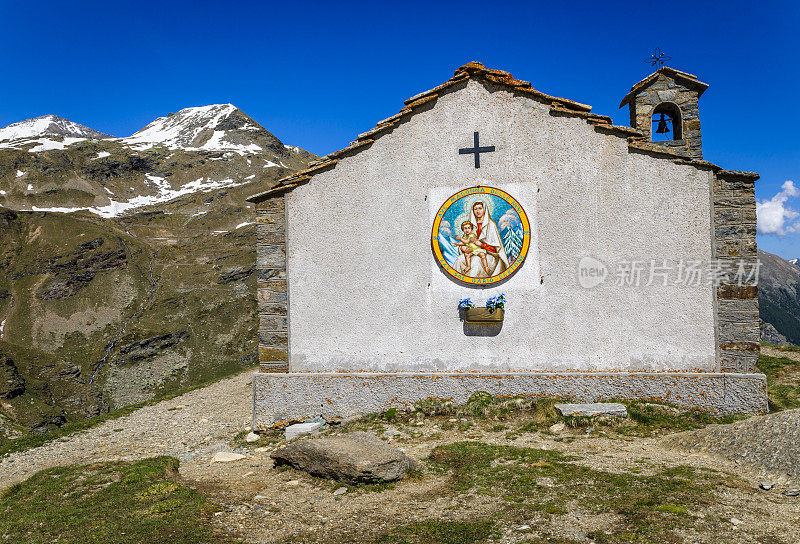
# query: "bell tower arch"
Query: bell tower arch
{"points": [[664, 106]]}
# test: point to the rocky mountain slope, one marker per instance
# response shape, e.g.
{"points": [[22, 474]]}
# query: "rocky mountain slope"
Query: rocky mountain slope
{"points": [[779, 299], [128, 263]]}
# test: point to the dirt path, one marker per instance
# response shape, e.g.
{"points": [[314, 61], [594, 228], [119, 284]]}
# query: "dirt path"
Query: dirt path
{"points": [[184, 427]]}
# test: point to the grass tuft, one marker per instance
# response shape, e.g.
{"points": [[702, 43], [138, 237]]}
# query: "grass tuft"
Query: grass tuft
{"points": [[533, 482], [107, 503], [783, 381], [440, 532]]}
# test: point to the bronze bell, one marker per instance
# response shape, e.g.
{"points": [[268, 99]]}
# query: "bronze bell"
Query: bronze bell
{"points": [[662, 125]]}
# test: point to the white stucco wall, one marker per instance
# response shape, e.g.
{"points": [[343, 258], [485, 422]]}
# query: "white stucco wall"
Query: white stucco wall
{"points": [[365, 292]]}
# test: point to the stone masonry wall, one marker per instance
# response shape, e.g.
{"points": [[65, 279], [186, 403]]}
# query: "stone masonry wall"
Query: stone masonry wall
{"points": [[273, 336], [735, 242], [666, 89]]}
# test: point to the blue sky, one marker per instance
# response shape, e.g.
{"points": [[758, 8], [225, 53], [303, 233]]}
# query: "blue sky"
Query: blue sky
{"points": [[317, 74]]}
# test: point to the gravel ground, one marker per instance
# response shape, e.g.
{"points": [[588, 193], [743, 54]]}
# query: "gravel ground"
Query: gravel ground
{"points": [[264, 505], [186, 427]]}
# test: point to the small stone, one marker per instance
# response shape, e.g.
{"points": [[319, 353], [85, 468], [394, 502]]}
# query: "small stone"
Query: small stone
{"points": [[260, 498], [219, 447], [557, 428], [391, 432], [251, 437], [226, 457], [292, 483], [792, 492], [419, 423], [523, 527], [736, 521], [300, 429], [249, 474], [264, 449], [340, 491], [452, 420], [766, 486]]}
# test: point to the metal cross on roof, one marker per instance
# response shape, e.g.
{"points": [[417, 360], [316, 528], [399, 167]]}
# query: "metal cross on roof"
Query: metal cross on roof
{"points": [[477, 150], [657, 58]]}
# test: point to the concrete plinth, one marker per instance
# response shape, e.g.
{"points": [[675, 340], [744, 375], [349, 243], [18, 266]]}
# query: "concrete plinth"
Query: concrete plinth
{"points": [[286, 397]]}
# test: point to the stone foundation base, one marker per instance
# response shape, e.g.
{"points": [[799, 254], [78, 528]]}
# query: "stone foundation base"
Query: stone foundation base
{"points": [[280, 398]]}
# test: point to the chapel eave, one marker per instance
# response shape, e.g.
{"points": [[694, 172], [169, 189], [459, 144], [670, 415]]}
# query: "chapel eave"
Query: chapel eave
{"points": [[477, 71]]}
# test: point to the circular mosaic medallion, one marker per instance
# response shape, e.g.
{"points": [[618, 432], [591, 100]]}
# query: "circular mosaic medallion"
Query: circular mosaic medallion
{"points": [[481, 235]]}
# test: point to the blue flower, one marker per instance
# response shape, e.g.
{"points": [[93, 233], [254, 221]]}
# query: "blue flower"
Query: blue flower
{"points": [[496, 302], [465, 303]]}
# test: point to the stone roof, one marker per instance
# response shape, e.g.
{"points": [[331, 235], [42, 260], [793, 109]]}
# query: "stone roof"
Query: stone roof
{"points": [[690, 80], [477, 71]]}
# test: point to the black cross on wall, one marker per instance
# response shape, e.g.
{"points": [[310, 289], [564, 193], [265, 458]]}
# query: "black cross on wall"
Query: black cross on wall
{"points": [[477, 150]]}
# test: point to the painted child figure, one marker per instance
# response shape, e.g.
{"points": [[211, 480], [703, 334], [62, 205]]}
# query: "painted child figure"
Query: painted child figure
{"points": [[468, 245]]}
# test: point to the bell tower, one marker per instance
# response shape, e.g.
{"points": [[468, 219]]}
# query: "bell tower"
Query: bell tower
{"points": [[664, 106]]}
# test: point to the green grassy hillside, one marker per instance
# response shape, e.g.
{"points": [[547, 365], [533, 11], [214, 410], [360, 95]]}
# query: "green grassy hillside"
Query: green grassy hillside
{"points": [[97, 313]]}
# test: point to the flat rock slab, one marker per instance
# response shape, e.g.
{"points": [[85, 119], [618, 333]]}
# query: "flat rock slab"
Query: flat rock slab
{"points": [[226, 457], [300, 429], [594, 409], [354, 457], [770, 442]]}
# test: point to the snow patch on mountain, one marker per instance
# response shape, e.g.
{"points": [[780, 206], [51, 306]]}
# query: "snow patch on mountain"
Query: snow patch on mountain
{"points": [[165, 193], [795, 262], [42, 144], [48, 125], [46, 144]]}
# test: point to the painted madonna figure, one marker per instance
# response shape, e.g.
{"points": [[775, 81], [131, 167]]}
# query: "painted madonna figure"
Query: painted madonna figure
{"points": [[488, 238]]}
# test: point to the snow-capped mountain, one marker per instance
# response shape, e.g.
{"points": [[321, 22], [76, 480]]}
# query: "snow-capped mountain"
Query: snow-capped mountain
{"points": [[48, 125], [194, 151], [795, 262], [218, 127]]}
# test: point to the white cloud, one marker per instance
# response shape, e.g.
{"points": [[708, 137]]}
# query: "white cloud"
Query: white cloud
{"points": [[510, 219], [774, 216], [445, 228]]}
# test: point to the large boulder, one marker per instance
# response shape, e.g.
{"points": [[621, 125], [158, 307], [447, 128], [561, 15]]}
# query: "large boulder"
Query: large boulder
{"points": [[770, 442], [354, 457]]}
